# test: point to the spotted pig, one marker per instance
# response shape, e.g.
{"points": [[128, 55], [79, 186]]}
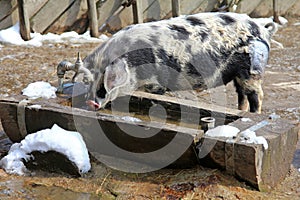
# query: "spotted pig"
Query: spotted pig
{"points": [[198, 51]]}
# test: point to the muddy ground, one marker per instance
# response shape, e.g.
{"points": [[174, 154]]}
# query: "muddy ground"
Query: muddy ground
{"points": [[21, 65]]}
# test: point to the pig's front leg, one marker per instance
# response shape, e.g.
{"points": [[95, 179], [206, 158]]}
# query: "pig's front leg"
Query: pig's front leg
{"points": [[242, 97]]}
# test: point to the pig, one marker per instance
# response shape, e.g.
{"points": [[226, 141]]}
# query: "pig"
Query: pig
{"points": [[199, 51]]}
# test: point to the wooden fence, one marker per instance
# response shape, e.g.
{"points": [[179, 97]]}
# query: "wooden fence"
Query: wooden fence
{"points": [[99, 15]]}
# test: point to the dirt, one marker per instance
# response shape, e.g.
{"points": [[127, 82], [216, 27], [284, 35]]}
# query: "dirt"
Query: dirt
{"points": [[21, 65]]}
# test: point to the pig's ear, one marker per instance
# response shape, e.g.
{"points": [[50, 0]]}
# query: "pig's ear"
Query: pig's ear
{"points": [[115, 75], [271, 27]]}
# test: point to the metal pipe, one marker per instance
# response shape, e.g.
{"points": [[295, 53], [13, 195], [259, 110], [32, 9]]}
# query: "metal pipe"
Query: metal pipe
{"points": [[78, 68], [207, 123], [61, 70]]}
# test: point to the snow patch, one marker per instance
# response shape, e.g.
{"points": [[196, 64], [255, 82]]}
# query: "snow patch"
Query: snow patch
{"points": [[37, 107], [130, 119], [244, 119], [39, 89], [249, 136], [223, 131], [12, 36], [69, 143]]}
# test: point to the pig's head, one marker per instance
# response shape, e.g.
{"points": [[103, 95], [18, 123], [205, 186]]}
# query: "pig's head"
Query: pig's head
{"points": [[259, 50], [113, 82]]}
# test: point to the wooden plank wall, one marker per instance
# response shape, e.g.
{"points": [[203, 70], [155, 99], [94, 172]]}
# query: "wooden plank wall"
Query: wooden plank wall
{"points": [[8, 13], [60, 16]]}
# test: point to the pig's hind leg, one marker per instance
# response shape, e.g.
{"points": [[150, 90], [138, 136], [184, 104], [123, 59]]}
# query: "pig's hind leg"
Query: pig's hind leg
{"points": [[242, 97], [250, 93]]}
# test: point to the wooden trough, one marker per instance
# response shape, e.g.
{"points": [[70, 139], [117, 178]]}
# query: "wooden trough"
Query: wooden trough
{"points": [[106, 132]]}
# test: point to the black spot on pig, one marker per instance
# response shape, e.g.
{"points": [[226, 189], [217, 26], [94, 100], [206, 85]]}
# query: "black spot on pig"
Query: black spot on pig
{"points": [[242, 43], [226, 19], [182, 33], [169, 60], [101, 92], [191, 70], [204, 36], [254, 29], [195, 21], [140, 57], [238, 66]]}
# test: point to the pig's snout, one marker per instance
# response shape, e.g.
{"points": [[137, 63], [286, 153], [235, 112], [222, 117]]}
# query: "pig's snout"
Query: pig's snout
{"points": [[259, 55]]}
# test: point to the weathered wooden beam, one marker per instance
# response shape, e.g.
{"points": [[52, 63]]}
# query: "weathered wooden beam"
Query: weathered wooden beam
{"points": [[24, 21], [137, 10], [260, 167], [93, 20], [48, 14], [175, 8], [94, 126]]}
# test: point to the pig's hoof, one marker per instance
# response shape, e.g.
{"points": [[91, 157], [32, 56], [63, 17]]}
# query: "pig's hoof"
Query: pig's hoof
{"points": [[155, 89]]}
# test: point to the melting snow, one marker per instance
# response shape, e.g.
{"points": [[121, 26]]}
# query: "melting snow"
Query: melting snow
{"points": [[249, 136], [39, 89], [130, 119], [231, 132], [244, 119], [37, 107], [223, 131], [69, 143], [12, 36]]}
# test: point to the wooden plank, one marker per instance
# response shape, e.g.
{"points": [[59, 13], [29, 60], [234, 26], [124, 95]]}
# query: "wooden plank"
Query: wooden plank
{"points": [[205, 6], [158, 10], [6, 8], [48, 14], [137, 10], [265, 8], [80, 120], [24, 21], [106, 10], [73, 19], [247, 6], [262, 168], [175, 8], [93, 21], [8, 13], [189, 6]]}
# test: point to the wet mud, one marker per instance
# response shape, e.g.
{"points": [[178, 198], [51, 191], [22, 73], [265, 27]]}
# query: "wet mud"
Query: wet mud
{"points": [[21, 65]]}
